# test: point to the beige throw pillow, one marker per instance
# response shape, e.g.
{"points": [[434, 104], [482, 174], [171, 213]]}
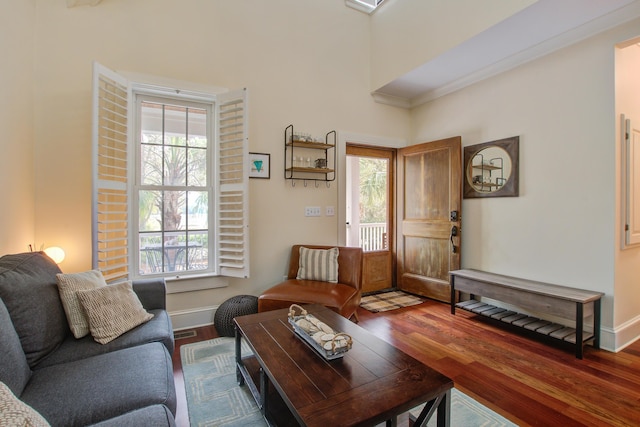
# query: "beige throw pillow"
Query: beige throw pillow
{"points": [[112, 310], [14, 412], [68, 285], [318, 264]]}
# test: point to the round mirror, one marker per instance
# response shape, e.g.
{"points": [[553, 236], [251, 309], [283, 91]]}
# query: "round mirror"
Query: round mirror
{"points": [[489, 170]]}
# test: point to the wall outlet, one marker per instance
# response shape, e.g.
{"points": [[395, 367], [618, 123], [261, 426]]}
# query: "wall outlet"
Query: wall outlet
{"points": [[330, 211], [312, 211]]}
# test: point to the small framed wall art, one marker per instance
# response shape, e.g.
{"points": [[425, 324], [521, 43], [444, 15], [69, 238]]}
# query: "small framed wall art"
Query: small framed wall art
{"points": [[260, 165]]}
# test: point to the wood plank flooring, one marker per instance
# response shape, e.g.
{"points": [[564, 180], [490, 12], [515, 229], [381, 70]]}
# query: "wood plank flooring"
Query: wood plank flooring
{"points": [[523, 379]]}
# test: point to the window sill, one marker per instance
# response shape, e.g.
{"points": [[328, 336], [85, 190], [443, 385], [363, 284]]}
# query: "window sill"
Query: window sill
{"points": [[198, 282]]}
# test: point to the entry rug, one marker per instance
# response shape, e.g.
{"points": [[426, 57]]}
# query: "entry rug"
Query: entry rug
{"points": [[214, 398], [389, 301]]}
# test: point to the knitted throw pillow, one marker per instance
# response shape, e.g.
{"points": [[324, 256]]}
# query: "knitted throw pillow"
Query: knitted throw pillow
{"points": [[68, 285], [14, 412], [318, 264], [112, 310]]}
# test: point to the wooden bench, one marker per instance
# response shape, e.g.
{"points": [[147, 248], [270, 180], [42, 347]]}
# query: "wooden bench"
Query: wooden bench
{"points": [[560, 301]]}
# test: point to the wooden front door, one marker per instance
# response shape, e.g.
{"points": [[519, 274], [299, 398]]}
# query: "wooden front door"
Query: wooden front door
{"points": [[429, 212], [370, 182]]}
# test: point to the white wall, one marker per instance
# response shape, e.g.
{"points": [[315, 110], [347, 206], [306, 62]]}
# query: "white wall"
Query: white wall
{"points": [[307, 62], [304, 62], [16, 122], [408, 33], [562, 227]]}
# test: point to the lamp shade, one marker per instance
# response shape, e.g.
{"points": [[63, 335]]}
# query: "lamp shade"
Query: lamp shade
{"points": [[55, 253]]}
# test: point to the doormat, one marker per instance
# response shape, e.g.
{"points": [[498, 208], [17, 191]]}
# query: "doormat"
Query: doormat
{"points": [[389, 301]]}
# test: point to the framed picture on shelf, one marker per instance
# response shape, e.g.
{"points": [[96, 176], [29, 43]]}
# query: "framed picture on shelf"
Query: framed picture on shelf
{"points": [[260, 165]]}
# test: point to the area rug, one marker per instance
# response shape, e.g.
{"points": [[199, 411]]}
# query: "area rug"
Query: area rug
{"points": [[214, 398], [466, 412], [386, 301], [213, 395]]}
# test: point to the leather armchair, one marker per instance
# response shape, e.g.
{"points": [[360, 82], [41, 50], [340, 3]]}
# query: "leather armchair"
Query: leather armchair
{"points": [[342, 297]]}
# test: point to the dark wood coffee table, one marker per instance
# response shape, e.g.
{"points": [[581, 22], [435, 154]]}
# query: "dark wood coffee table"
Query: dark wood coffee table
{"points": [[373, 383]]}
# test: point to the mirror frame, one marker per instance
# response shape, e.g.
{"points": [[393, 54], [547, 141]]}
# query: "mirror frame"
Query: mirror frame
{"points": [[511, 188]]}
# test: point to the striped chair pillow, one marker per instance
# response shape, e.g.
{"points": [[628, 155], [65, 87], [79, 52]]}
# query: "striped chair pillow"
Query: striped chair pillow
{"points": [[318, 264]]}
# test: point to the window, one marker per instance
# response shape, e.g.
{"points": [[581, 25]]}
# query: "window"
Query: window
{"points": [[176, 181], [172, 183]]}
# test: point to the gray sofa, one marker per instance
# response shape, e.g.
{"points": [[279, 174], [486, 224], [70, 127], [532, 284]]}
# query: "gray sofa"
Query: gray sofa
{"points": [[79, 382]]}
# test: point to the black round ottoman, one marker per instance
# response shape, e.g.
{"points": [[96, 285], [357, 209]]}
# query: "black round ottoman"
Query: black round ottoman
{"points": [[233, 307]]}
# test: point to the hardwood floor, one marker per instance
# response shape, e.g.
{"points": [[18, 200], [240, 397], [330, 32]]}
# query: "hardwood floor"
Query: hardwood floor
{"points": [[523, 379]]}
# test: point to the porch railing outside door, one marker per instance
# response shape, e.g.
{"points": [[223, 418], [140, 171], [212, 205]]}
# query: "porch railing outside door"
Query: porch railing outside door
{"points": [[373, 236]]}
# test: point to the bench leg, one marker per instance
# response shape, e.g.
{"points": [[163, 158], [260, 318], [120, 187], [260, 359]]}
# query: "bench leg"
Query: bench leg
{"points": [[579, 329], [453, 295], [596, 323]]}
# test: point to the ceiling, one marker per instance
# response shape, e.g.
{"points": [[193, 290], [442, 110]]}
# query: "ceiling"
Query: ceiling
{"points": [[543, 27]]}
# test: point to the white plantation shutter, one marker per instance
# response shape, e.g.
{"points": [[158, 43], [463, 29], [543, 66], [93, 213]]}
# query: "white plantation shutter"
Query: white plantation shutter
{"points": [[232, 202], [110, 222], [113, 172]]}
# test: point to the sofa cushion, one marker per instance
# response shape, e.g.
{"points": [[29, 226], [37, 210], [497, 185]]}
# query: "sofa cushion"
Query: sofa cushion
{"points": [[151, 292], [29, 289], [14, 412], [112, 310], [318, 264], [68, 285], [154, 415], [98, 388], [158, 329], [14, 369]]}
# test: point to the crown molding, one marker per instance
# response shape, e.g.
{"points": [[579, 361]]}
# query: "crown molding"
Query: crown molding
{"points": [[395, 101]]}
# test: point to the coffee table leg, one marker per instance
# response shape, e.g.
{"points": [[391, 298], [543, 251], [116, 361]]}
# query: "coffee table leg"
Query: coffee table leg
{"points": [[264, 385], [444, 411], [441, 404], [239, 376]]}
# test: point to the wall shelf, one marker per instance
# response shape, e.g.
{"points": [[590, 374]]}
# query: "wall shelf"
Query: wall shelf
{"points": [[301, 157]]}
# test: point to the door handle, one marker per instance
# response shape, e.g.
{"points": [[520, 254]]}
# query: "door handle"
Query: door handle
{"points": [[454, 232]]}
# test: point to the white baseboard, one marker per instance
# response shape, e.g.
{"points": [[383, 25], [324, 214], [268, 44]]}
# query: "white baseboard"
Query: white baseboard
{"points": [[194, 318], [617, 339]]}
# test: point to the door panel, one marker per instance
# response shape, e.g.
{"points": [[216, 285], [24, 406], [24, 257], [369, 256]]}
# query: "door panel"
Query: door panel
{"points": [[429, 189], [377, 273]]}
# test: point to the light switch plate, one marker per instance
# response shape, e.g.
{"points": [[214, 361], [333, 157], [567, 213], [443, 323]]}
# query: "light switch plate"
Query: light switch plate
{"points": [[312, 211]]}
